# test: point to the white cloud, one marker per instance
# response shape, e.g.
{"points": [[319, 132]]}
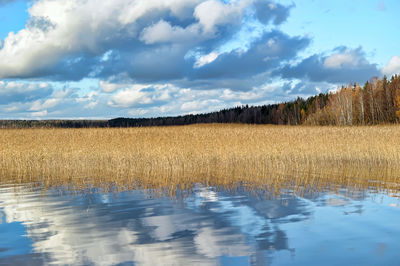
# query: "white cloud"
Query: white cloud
{"points": [[56, 98], [21, 86], [392, 67], [22, 91], [139, 95], [159, 32], [347, 58], [138, 112], [91, 105], [134, 51], [77, 26], [33, 49], [39, 105], [213, 13], [252, 95], [109, 87], [61, 33], [206, 59], [129, 97], [89, 100], [162, 31], [200, 105], [154, 100], [39, 114], [133, 10], [63, 239], [138, 100]]}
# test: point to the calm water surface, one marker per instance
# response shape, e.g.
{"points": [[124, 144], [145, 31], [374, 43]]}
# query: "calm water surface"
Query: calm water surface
{"points": [[206, 227]]}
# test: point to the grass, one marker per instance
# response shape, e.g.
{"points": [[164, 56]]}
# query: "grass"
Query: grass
{"points": [[251, 156]]}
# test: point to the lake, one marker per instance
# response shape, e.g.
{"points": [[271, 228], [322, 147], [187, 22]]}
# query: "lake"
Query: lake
{"points": [[206, 226]]}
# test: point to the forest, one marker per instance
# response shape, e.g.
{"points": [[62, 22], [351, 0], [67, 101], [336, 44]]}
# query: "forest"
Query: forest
{"points": [[376, 102]]}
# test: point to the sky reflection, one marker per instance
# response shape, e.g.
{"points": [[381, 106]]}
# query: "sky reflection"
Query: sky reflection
{"points": [[208, 227]]}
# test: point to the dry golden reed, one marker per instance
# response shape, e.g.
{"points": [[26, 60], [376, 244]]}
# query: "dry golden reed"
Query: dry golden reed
{"points": [[252, 156]]}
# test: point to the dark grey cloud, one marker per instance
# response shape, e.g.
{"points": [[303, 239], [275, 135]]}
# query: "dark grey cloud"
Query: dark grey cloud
{"points": [[70, 68], [343, 65], [239, 70], [266, 54]]}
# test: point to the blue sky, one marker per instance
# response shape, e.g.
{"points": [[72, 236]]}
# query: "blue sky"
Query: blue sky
{"points": [[141, 58], [13, 17]]}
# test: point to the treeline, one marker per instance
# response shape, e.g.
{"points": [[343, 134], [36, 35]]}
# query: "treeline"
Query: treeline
{"points": [[53, 123], [377, 102], [292, 113]]}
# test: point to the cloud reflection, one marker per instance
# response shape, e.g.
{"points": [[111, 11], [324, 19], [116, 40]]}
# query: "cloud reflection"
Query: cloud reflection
{"points": [[132, 227]]}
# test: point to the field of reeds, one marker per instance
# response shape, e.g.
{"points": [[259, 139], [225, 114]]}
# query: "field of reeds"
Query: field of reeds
{"points": [[250, 156]]}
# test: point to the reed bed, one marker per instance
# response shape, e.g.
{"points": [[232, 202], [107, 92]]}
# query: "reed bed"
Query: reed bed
{"points": [[230, 156]]}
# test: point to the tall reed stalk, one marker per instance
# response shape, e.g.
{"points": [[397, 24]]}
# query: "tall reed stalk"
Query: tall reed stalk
{"points": [[277, 157]]}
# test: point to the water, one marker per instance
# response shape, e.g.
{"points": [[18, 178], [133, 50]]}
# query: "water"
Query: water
{"points": [[207, 227]]}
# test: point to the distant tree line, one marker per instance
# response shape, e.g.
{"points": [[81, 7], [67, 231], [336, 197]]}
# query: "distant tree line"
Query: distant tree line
{"points": [[52, 123], [292, 113], [377, 102]]}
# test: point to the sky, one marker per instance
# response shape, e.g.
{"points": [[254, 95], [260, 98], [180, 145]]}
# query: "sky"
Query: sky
{"points": [[88, 59]]}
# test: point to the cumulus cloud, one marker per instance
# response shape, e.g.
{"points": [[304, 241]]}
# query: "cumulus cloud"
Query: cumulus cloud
{"points": [[346, 58], [108, 87], [163, 57], [39, 114], [213, 13], [139, 95], [206, 59], [11, 92], [144, 100], [57, 97], [392, 67], [267, 10], [59, 34], [162, 31], [265, 55], [62, 32], [148, 40], [343, 65], [167, 99]]}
